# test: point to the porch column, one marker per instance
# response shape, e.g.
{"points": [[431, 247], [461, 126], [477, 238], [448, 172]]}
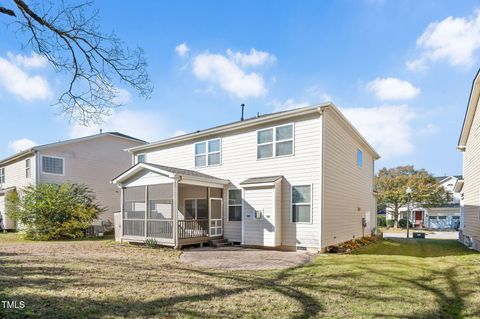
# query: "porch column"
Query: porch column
{"points": [[146, 211], [122, 209], [175, 213]]}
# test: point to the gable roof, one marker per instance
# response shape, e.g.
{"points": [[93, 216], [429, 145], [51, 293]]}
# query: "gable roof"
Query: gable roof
{"points": [[470, 112], [168, 171], [74, 140], [442, 178], [318, 108]]}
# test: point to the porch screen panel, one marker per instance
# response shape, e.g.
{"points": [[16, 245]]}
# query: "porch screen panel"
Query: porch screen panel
{"points": [[160, 200], [160, 211], [134, 210]]}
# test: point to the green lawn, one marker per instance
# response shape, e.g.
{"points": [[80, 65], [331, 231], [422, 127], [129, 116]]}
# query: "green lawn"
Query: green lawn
{"points": [[101, 279]]}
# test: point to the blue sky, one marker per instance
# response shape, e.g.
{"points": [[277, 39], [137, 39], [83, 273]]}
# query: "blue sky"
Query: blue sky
{"points": [[400, 70]]}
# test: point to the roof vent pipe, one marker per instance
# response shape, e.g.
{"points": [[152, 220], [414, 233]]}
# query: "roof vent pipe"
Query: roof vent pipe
{"points": [[243, 108]]}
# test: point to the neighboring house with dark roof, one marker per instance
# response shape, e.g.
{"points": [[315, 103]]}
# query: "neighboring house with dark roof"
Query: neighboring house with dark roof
{"points": [[442, 217], [298, 179], [90, 160]]}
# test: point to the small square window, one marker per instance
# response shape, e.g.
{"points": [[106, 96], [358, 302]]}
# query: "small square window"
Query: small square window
{"points": [[141, 158], [208, 153], [52, 165]]}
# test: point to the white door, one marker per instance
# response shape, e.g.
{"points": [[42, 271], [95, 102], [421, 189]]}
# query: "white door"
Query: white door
{"points": [[259, 216], [216, 214]]}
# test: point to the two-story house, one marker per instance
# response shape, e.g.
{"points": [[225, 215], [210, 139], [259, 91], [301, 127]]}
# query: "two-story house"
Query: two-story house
{"points": [[301, 179], [90, 160], [469, 144], [446, 216]]}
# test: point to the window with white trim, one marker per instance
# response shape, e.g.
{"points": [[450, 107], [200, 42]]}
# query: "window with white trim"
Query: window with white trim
{"points": [[2, 175], [196, 208], [359, 158], [141, 158], [275, 141], [52, 165], [208, 153], [302, 204], [28, 168], [234, 205]]}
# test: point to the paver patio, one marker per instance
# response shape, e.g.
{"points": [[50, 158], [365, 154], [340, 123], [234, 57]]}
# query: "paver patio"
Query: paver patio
{"points": [[240, 258]]}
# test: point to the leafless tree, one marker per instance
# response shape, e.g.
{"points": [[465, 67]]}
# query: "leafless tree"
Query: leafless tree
{"points": [[69, 37]]}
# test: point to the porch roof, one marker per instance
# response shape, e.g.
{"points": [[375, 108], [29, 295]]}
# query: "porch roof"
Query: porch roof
{"points": [[170, 172]]}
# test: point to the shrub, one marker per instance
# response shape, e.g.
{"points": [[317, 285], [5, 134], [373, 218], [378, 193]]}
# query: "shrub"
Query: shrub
{"points": [[150, 242], [51, 211], [381, 221], [403, 223], [390, 223]]}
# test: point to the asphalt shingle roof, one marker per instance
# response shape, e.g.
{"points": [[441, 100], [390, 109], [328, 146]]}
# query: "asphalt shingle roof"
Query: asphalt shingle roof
{"points": [[261, 180]]}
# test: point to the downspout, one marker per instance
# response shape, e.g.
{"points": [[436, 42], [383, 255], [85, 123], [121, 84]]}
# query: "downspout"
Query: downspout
{"points": [[37, 168], [322, 181]]}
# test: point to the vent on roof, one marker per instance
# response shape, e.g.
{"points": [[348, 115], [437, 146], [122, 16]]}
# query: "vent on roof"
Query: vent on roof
{"points": [[243, 108]]}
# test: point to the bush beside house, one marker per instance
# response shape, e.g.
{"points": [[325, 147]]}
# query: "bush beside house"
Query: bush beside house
{"points": [[51, 211]]}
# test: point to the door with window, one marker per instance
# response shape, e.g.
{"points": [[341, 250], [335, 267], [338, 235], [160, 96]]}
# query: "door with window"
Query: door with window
{"points": [[216, 215]]}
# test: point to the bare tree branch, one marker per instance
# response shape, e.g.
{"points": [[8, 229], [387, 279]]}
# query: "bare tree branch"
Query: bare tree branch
{"points": [[69, 38], [7, 12]]}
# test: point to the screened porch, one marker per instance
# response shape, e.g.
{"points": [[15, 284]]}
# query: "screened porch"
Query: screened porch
{"points": [[175, 211]]}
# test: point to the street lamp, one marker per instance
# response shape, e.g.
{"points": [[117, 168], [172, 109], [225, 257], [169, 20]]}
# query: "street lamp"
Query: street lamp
{"points": [[409, 194]]}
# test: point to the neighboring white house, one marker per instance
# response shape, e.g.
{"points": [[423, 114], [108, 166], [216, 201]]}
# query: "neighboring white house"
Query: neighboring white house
{"points": [[90, 160], [469, 144], [441, 217], [297, 179]]}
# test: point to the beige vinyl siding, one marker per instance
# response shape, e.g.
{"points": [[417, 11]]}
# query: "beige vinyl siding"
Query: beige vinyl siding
{"points": [[15, 176], [348, 192], [239, 162], [471, 189], [15, 173], [94, 162]]}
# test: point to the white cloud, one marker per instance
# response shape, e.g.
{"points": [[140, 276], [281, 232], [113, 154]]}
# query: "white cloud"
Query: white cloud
{"points": [[254, 58], [182, 49], [145, 125], [392, 89], [288, 104], [317, 94], [21, 145], [123, 97], [34, 61], [25, 86], [455, 40], [387, 128], [226, 73]]}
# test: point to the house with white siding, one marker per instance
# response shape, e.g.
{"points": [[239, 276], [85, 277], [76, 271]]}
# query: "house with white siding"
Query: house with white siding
{"points": [[297, 179], [90, 160], [469, 144], [446, 216]]}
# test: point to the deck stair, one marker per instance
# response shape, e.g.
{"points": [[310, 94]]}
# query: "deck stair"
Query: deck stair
{"points": [[220, 242]]}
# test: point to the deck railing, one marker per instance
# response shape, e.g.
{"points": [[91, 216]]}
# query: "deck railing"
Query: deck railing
{"points": [[192, 228], [134, 227], [160, 228]]}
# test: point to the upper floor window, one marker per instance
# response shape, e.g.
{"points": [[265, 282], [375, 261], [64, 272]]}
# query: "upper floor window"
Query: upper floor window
{"points": [[2, 175], [141, 158], [52, 165], [359, 158], [275, 141], [208, 153], [302, 204], [28, 168], [235, 205]]}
